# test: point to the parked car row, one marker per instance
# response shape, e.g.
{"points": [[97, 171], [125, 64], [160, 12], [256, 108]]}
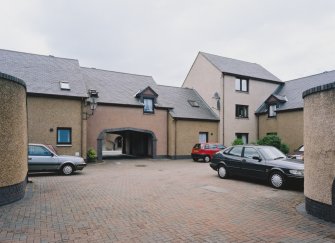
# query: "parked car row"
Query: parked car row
{"points": [[205, 151], [44, 158], [254, 161], [261, 162]]}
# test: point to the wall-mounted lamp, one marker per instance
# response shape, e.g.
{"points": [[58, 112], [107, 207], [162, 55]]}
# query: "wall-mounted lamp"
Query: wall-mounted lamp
{"points": [[217, 98], [91, 103]]}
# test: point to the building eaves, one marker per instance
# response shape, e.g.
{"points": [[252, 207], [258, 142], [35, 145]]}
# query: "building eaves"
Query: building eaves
{"points": [[232, 66]]}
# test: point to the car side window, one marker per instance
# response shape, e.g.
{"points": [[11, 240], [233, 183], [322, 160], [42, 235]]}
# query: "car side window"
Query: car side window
{"points": [[213, 146], [38, 151], [250, 152], [236, 151], [206, 146], [220, 146]]}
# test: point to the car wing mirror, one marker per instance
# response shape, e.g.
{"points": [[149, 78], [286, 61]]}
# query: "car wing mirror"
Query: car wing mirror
{"points": [[257, 158]]}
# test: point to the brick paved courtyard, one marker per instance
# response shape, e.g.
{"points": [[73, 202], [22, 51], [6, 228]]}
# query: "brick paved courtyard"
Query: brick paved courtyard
{"points": [[157, 201]]}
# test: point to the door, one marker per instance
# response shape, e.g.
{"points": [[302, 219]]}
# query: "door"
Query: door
{"points": [[233, 159], [251, 166], [41, 159]]}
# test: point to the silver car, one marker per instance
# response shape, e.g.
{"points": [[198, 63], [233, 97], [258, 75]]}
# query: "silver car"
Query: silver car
{"points": [[42, 158]]}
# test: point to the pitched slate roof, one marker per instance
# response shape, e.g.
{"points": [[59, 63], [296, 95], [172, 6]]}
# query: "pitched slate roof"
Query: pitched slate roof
{"points": [[292, 90], [43, 74], [116, 87], [179, 98], [233, 66]]}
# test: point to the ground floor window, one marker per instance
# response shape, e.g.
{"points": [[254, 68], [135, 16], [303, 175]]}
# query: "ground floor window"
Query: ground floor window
{"points": [[243, 136], [203, 137], [64, 135]]}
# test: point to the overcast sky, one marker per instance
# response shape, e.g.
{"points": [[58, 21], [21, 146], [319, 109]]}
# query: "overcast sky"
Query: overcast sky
{"points": [[161, 38]]}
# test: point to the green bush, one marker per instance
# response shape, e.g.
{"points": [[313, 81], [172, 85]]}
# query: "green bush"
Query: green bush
{"points": [[91, 154], [284, 148], [237, 141], [275, 141]]}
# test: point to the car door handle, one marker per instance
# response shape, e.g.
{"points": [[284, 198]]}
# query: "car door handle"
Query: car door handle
{"points": [[29, 158]]}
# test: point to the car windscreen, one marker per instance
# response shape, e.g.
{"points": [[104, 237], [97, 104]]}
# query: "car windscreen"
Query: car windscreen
{"points": [[197, 146], [272, 153]]}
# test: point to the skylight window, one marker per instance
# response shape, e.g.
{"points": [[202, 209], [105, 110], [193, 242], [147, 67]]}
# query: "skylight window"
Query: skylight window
{"points": [[64, 85], [193, 103]]}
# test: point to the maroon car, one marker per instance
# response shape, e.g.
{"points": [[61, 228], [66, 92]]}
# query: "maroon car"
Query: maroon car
{"points": [[205, 151]]}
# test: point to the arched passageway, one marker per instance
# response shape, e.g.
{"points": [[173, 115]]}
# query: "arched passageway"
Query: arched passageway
{"points": [[135, 142]]}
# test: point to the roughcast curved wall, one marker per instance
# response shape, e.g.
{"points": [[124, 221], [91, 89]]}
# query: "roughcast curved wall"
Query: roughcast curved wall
{"points": [[13, 139], [319, 139]]}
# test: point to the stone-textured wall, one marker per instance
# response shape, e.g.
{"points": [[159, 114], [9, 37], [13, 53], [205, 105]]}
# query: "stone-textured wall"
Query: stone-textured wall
{"points": [[319, 127], [14, 141]]}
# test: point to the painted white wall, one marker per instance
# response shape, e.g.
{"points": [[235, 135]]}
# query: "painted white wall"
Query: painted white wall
{"points": [[206, 79], [259, 91]]}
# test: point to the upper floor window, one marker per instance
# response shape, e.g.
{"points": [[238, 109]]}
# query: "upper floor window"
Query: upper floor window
{"points": [[272, 111], [241, 111], [242, 84], [148, 105], [64, 135]]}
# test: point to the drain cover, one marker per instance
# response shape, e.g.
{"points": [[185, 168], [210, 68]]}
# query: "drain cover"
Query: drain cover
{"points": [[140, 165]]}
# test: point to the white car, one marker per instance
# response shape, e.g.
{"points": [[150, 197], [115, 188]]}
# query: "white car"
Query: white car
{"points": [[42, 158]]}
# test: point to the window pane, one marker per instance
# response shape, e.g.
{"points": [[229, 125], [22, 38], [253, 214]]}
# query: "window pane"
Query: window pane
{"points": [[272, 110], [64, 135], [244, 85], [237, 84], [250, 152], [237, 151], [38, 151], [148, 105]]}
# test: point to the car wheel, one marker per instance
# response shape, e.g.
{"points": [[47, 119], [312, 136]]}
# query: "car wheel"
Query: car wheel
{"points": [[207, 158], [277, 180], [222, 172], [195, 159], [67, 169]]}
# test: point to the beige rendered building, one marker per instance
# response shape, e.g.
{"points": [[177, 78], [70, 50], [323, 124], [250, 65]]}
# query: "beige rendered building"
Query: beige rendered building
{"points": [[282, 112], [55, 95], [134, 115], [234, 90], [140, 118]]}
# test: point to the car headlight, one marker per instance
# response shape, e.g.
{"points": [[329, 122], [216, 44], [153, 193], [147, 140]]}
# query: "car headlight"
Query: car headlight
{"points": [[297, 172]]}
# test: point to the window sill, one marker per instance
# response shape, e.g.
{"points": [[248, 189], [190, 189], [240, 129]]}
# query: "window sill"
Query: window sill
{"points": [[272, 117], [240, 91], [63, 145], [243, 118]]}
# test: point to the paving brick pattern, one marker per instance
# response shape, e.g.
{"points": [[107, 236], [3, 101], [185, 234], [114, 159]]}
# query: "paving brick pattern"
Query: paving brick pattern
{"points": [[157, 201]]}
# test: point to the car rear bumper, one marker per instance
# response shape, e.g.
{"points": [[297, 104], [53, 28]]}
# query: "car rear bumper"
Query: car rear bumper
{"points": [[198, 156]]}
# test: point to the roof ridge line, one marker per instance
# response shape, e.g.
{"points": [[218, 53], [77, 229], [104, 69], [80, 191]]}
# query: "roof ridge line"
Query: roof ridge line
{"points": [[324, 72], [164, 85], [43, 55], [230, 58], [105, 70]]}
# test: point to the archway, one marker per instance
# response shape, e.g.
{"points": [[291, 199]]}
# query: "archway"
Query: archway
{"points": [[135, 141]]}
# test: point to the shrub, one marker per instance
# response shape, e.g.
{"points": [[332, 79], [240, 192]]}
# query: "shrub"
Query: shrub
{"points": [[91, 154], [275, 141], [284, 148], [237, 141]]}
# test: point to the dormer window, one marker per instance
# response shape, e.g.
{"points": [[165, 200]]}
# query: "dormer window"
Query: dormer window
{"points": [[193, 103], [64, 85], [148, 105], [272, 110]]}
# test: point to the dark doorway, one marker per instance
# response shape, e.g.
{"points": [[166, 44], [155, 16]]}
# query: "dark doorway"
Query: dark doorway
{"points": [[131, 142]]}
